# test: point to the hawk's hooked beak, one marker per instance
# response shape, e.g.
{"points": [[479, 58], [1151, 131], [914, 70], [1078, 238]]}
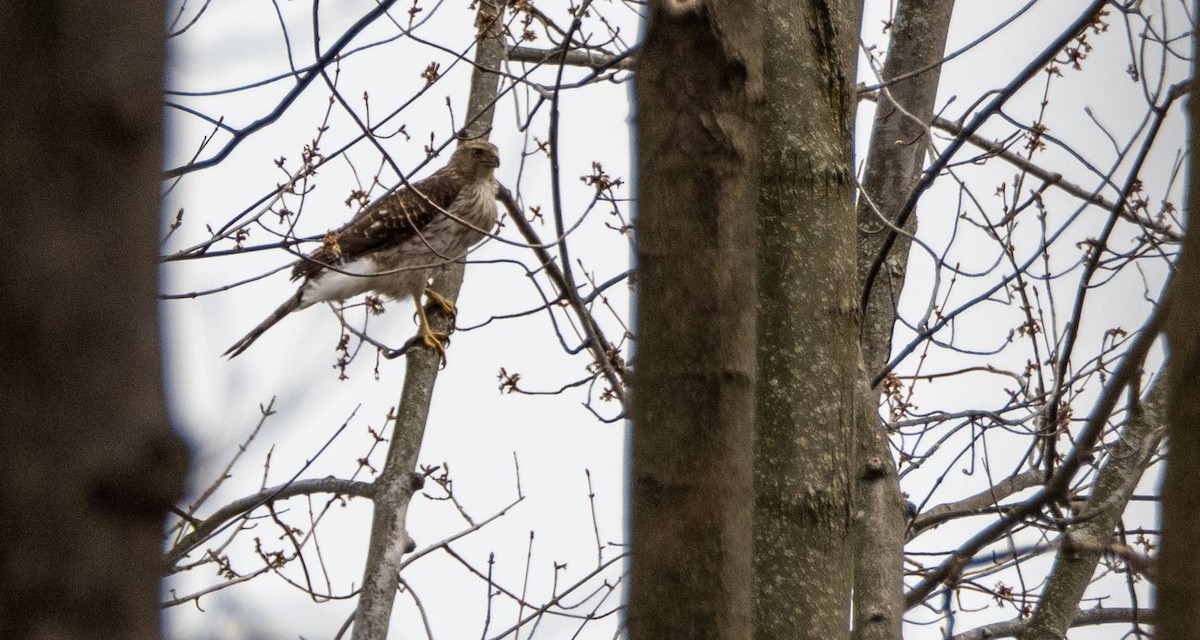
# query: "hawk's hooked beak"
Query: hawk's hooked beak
{"points": [[493, 161]]}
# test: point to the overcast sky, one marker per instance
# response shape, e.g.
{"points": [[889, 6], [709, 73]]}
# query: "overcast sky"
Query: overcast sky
{"points": [[473, 427]]}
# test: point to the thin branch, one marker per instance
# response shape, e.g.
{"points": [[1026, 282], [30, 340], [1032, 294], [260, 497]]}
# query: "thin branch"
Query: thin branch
{"points": [[1058, 484], [573, 57], [301, 84], [599, 345], [1013, 628], [1051, 178], [977, 504], [239, 507]]}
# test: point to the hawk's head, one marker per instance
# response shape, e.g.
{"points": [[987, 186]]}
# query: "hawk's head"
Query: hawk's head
{"points": [[476, 159]]}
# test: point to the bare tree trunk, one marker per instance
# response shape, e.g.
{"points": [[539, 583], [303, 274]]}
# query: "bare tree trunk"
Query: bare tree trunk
{"points": [[899, 143], [397, 483], [698, 86], [1178, 594], [809, 363], [88, 463]]}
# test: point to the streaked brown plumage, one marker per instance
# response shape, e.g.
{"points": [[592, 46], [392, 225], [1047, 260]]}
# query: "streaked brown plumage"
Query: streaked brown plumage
{"points": [[394, 247]]}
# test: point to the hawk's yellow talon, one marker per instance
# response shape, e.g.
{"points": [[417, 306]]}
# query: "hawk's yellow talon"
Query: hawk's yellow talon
{"points": [[435, 340], [446, 304]]}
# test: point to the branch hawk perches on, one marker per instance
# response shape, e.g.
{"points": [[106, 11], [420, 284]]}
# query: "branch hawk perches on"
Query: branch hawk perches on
{"points": [[394, 247]]}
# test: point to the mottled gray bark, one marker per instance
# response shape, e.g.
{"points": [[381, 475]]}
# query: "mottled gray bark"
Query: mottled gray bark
{"points": [[1178, 593], [88, 463], [810, 379], [899, 143], [396, 484], [1086, 540], [697, 89]]}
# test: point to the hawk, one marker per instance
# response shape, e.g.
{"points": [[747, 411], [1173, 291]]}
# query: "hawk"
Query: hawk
{"points": [[397, 244]]}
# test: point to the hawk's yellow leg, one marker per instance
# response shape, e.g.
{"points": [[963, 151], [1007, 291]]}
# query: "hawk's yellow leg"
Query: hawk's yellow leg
{"points": [[435, 340]]}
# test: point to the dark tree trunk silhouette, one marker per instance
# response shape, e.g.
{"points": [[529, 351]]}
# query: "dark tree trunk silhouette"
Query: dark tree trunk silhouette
{"points": [[1178, 563], [88, 463]]}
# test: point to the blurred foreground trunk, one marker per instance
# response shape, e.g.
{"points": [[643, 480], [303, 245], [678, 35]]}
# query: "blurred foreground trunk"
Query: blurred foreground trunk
{"points": [[88, 463]]}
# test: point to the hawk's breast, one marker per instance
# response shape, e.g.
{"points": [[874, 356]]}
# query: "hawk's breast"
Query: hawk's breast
{"points": [[476, 206]]}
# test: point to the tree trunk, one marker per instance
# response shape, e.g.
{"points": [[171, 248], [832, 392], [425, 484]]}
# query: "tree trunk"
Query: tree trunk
{"points": [[88, 463], [899, 143], [697, 88], [810, 373]]}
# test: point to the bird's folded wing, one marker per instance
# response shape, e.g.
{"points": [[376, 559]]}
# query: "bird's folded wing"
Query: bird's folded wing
{"points": [[387, 223]]}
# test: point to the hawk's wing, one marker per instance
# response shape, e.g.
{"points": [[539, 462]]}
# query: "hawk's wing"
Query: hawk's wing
{"points": [[392, 220]]}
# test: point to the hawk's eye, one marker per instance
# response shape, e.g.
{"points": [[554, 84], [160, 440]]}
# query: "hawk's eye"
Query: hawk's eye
{"points": [[475, 151]]}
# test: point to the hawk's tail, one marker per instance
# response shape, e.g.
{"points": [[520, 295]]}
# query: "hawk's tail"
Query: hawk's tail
{"points": [[287, 307]]}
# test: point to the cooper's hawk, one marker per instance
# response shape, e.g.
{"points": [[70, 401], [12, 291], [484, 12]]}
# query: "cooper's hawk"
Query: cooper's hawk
{"points": [[394, 247]]}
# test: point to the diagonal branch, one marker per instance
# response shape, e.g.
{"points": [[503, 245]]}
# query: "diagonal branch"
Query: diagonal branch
{"points": [[1091, 617], [237, 508], [1001, 97], [984, 501], [1087, 538], [597, 343], [1056, 179]]}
